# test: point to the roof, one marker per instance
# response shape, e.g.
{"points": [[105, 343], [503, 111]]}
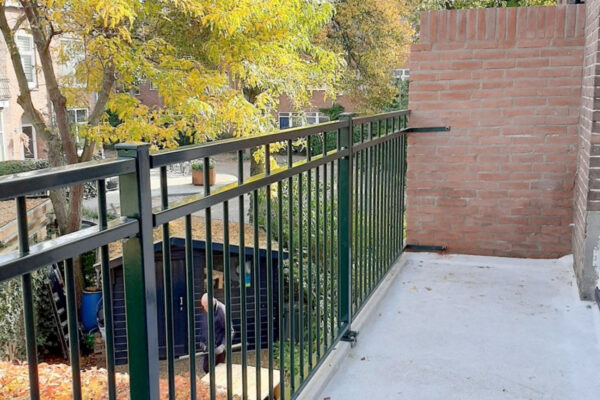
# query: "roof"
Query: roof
{"points": [[177, 229]]}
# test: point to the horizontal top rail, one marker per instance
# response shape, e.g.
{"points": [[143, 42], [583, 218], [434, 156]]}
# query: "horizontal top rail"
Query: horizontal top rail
{"points": [[25, 183], [379, 117], [197, 203], [192, 152]]}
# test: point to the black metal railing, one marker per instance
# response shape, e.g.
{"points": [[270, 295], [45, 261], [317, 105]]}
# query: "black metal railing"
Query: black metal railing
{"points": [[314, 237]]}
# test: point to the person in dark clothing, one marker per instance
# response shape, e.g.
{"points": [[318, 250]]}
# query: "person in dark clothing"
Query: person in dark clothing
{"points": [[219, 330]]}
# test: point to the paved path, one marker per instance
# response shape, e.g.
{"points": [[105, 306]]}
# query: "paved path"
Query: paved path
{"points": [[180, 187]]}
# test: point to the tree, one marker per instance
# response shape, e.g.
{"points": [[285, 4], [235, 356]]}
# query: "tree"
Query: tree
{"points": [[218, 67], [265, 47], [374, 38]]}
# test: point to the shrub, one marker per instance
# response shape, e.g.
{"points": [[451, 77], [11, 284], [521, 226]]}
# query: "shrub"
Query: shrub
{"points": [[17, 166], [199, 165], [12, 329]]}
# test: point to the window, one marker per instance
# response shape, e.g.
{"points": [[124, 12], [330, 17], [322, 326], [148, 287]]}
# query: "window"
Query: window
{"points": [[153, 85], [290, 120], [28, 140], [312, 118], [284, 120], [77, 117], [401, 73], [26, 50]]}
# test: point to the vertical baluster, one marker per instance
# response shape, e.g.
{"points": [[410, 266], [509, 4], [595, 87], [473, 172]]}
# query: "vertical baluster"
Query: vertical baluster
{"points": [[398, 190], [402, 185], [227, 295], [384, 203], [300, 279], [270, 304], [394, 189], [106, 294], [332, 241], [242, 267], [256, 283], [309, 255], [209, 283], [387, 197], [398, 184], [376, 225], [355, 267], [28, 309], [378, 204], [167, 286], [391, 191], [73, 328], [280, 292], [400, 195], [381, 202], [363, 212], [325, 266], [382, 162], [317, 265], [344, 228], [372, 228], [291, 270], [384, 200], [191, 306]]}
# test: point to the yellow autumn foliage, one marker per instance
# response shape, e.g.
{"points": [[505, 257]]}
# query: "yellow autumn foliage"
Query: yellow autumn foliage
{"points": [[219, 66]]}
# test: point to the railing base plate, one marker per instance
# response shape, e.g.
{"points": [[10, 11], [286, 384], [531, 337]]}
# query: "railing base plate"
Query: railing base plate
{"points": [[351, 337]]}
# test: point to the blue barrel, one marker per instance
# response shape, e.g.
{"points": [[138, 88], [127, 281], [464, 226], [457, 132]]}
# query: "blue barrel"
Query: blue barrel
{"points": [[89, 303]]}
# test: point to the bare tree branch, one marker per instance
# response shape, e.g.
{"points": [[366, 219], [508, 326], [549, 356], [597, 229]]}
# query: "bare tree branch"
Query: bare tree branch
{"points": [[53, 32], [18, 23], [108, 81]]}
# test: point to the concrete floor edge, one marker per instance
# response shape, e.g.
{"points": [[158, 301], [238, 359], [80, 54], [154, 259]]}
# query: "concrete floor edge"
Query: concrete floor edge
{"points": [[333, 361]]}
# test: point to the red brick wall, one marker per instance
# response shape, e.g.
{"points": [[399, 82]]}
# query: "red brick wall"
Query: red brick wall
{"points": [[508, 82], [587, 185]]}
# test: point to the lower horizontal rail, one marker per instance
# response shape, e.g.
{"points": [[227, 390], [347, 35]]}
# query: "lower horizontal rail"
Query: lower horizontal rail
{"points": [[64, 247]]}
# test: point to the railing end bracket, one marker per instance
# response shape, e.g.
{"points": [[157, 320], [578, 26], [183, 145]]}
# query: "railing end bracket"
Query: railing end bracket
{"points": [[351, 337], [429, 129]]}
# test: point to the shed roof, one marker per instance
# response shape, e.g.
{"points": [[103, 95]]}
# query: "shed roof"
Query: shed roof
{"points": [[177, 229]]}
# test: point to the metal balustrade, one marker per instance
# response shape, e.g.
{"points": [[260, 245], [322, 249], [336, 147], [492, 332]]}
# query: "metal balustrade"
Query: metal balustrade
{"points": [[334, 219]]}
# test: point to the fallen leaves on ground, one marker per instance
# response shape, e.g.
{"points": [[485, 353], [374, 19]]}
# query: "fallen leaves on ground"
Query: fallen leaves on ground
{"points": [[55, 383]]}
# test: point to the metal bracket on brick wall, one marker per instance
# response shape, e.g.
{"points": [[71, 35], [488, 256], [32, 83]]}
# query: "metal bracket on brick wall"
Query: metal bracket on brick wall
{"points": [[424, 248], [428, 129]]}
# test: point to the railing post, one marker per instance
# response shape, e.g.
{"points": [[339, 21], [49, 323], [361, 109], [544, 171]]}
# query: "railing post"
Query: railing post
{"points": [[140, 276], [344, 214]]}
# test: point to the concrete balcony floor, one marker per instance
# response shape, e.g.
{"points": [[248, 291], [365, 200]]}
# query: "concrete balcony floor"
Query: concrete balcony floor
{"points": [[469, 327]]}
